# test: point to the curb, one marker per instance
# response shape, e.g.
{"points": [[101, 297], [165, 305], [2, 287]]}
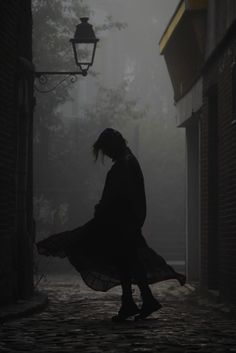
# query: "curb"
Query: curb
{"points": [[36, 303], [212, 299]]}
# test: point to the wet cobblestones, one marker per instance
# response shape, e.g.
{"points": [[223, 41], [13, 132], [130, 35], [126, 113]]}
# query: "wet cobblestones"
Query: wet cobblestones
{"points": [[77, 319]]}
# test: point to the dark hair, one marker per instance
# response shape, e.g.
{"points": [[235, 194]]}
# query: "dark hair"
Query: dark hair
{"points": [[110, 141]]}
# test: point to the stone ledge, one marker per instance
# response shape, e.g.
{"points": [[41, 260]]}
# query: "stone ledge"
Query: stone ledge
{"points": [[36, 303]]}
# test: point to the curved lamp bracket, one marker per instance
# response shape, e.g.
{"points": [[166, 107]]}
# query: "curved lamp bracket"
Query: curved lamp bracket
{"points": [[42, 79]]}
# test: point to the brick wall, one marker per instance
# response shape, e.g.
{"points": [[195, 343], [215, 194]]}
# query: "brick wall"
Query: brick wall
{"points": [[15, 41], [218, 224]]}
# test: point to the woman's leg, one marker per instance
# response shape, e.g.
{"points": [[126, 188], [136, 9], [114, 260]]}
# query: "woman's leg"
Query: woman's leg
{"points": [[126, 287], [150, 303], [140, 276], [125, 279], [128, 307]]}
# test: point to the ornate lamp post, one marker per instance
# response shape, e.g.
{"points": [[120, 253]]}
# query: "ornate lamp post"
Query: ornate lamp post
{"points": [[84, 46]]}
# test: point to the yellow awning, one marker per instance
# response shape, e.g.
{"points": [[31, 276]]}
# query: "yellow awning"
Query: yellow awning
{"points": [[184, 5]]}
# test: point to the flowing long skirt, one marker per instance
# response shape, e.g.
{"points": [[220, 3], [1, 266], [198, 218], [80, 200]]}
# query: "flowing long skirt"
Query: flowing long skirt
{"points": [[95, 253]]}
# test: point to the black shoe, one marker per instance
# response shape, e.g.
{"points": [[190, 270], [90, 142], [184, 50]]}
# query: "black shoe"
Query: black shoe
{"points": [[125, 312], [148, 308]]}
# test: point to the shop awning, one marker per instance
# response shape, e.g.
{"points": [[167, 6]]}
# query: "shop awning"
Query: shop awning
{"points": [[183, 45], [182, 9]]}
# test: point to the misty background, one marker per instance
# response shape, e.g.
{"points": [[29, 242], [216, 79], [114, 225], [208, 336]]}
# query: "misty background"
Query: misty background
{"points": [[128, 88]]}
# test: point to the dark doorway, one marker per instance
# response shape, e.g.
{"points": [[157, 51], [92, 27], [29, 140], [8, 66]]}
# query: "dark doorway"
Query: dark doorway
{"points": [[213, 239], [193, 217]]}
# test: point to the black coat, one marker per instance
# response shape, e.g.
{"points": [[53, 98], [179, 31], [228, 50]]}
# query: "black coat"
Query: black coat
{"points": [[113, 236], [122, 208]]}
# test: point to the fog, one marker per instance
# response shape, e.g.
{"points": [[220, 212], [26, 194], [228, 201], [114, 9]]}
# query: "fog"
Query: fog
{"points": [[128, 88]]}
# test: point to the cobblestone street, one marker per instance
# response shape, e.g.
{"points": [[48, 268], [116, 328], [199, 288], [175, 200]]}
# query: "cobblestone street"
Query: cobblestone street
{"points": [[77, 319]]}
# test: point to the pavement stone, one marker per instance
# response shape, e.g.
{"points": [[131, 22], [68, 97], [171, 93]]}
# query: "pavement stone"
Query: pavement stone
{"points": [[24, 307], [77, 319]]}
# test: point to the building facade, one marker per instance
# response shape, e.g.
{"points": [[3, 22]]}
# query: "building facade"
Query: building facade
{"points": [[199, 46], [16, 112]]}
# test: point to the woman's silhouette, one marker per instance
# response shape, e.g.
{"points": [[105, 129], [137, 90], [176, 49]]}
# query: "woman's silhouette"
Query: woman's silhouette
{"points": [[110, 249]]}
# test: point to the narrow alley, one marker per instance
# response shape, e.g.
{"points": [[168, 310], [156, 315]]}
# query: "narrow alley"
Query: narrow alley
{"points": [[118, 161]]}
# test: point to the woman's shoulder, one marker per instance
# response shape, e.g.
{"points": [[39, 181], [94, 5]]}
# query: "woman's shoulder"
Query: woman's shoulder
{"points": [[128, 162], [130, 159], [132, 165]]}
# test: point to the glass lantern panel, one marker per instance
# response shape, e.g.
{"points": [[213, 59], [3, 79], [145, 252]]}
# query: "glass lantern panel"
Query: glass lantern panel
{"points": [[85, 53]]}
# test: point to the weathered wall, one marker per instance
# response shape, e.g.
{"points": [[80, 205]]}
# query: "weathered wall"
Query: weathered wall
{"points": [[218, 175], [221, 15], [15, 149]]}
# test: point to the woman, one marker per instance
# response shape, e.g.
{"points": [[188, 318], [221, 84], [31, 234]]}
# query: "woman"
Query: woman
{"points": [[110, 249]]}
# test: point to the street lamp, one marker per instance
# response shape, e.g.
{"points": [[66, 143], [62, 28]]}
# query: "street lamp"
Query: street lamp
{"points": [[84, 46]]}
